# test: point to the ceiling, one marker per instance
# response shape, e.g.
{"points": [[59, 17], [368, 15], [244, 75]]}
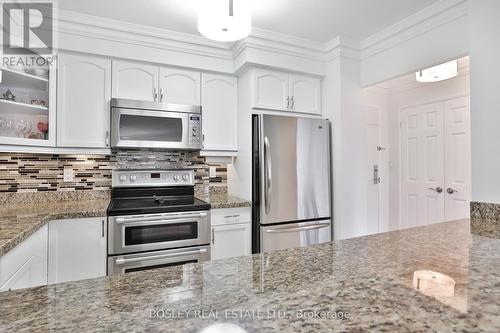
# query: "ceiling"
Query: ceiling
{"points": [[317, 20]]}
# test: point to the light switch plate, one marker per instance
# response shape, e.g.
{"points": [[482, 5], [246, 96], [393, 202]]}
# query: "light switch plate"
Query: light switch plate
{"points": [[213, 172], [69, 175]]}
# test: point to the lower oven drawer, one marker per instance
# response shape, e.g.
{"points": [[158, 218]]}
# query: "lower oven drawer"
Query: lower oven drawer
{"points": [[157, 259], [150, 232]]}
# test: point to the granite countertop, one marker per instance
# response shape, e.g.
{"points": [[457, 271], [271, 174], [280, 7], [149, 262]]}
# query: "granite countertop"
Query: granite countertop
{"points": [[361, 284], [223, 200], [18, 222]]}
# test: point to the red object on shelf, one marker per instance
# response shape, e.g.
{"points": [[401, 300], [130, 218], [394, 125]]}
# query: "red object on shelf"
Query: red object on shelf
{"points": [[43, 127]]}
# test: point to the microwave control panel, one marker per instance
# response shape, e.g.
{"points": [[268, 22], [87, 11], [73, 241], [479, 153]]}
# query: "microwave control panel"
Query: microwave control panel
{"points": [[195, 135]]}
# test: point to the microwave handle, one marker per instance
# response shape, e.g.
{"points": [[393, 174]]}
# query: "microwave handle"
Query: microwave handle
{"points": [[123, 261]]}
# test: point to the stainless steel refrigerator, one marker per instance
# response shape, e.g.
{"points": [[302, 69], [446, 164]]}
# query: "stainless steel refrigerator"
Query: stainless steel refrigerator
{"points": [[291, 182]]}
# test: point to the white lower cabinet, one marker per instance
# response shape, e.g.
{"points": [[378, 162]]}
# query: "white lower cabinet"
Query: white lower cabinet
{"points": [[77, 249], [26, 265], [231, 233]]}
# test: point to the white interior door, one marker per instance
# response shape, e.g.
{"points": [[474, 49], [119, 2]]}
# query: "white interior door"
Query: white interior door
{"points": [[422, 165], [373, 137], [457, 159]]}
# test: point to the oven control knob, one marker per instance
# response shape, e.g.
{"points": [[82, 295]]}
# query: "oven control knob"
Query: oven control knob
{"points": [[176, 177], [185, 177], [123, 178], [133, 178]]}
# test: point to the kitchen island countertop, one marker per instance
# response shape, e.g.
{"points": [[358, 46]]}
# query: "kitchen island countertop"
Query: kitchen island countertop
{"points": [[362, 284]]}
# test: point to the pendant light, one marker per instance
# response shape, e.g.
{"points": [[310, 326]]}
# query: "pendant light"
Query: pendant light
{"points": [[438, 73], [224, 20]]}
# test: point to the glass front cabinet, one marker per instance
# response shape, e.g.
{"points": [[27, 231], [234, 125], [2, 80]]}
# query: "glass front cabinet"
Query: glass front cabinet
{"points": [[27, 105]]}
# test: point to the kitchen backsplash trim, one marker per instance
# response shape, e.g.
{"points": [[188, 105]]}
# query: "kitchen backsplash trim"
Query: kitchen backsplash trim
{"points": [[34, 173]]}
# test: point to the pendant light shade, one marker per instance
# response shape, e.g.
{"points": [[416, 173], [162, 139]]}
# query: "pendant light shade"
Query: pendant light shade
{"points": [[224, 20], [438, 73]]}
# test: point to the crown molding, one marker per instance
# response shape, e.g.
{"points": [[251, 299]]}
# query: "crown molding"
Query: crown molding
{"points": [[429, 18], [78, 24], [262, 40]]}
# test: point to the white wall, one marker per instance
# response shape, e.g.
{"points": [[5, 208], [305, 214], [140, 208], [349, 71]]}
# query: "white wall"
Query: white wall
{"points": [[485, 99], [343, 105]]}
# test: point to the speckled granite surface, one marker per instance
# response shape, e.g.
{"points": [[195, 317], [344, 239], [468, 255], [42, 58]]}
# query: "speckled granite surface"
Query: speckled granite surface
{"points": [[368, 281], [18, 222], [485, 211], [223, 200]]}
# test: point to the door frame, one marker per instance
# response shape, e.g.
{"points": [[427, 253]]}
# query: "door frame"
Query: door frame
{"points": [[400, 142]]}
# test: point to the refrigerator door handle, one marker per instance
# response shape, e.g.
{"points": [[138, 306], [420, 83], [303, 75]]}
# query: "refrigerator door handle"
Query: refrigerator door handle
{"points": [[268, 175], [294, 229]]}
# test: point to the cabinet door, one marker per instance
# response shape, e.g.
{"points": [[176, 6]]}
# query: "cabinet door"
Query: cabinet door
{"points": [[305, 93], [135, 81], [220, 108], [231, 240], [77, 249], [179, 86], [84, 93], [270, 90], [26, 265]]}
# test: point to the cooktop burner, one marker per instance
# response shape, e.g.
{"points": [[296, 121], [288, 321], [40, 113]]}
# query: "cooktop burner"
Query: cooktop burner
{"points": [[151, 192], [155, 204]]}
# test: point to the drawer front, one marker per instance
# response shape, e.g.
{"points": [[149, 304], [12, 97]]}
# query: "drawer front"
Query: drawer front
{"points": [[224, 216]]}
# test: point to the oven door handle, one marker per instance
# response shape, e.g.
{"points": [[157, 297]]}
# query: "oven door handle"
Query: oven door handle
{"points": [[123, 261], [158, 218]]}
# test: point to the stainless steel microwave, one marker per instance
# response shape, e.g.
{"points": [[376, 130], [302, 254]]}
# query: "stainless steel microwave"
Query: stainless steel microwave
{"points": [[143, 124]]}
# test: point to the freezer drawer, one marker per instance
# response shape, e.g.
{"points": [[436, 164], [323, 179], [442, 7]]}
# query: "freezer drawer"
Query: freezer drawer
{"points": [[284, 236]]}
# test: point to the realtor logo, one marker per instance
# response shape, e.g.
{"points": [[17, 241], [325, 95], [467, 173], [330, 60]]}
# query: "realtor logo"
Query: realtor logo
{"points": [[27, 28]]}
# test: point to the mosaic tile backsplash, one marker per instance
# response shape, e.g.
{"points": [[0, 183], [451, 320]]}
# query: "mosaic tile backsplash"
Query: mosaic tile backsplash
{"points": [[45, 172]]}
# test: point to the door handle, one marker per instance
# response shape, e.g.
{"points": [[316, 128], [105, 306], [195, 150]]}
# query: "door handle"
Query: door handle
{"points": [[304, 228], [437, 189], [450, 190], [268, 176]]}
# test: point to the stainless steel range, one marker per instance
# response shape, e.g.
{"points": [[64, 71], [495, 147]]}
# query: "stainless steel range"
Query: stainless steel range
{"points": [[155, 221]]}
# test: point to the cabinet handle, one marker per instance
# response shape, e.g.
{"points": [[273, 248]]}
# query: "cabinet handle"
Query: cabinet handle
{"points": [[213, 236], [155, 94], [107, 138], [293, 104], [229, 216], [161, 94], [102, 228], [288, 102], [203, 141]]}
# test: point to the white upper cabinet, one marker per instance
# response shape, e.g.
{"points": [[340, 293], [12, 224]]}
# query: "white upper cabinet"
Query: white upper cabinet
{"points": [[133, 80], [84, 94], [179, 86], [220, 112], [270, 89], [77, 249], [305, 94], [274, 90]]}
